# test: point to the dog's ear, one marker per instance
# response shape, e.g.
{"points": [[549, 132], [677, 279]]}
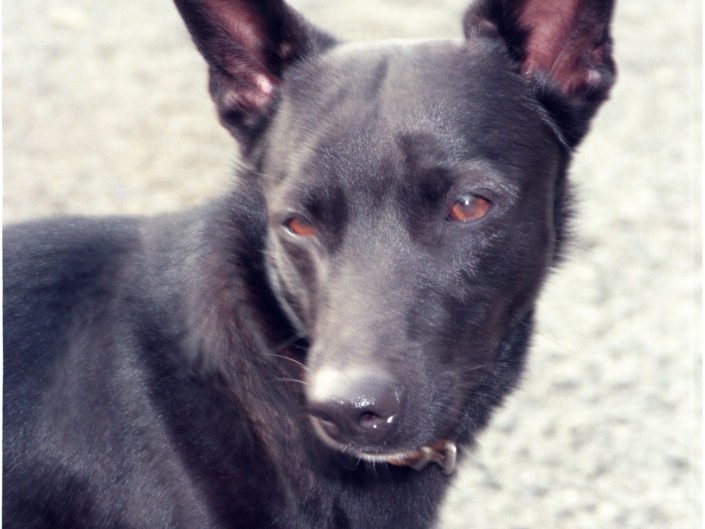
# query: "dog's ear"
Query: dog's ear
{"points": [[248, 44], [563, 47]]}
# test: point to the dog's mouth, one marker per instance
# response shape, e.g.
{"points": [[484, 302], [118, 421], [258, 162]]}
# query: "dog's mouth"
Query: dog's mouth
{"points": [[443, 453]]}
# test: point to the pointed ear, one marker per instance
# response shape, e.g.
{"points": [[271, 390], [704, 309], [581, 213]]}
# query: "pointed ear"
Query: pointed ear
{"points": [[248, 44], [563, 47]]}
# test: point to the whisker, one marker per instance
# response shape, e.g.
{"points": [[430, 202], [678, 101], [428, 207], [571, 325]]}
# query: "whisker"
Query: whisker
{"points": [[293, 360], [488, 395], [475, 368], [374, 468], [302, 382], [451, 409], [287, 343]]}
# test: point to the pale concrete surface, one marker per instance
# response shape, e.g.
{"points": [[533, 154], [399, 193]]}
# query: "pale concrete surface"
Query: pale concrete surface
{"points": [[105, 111]]}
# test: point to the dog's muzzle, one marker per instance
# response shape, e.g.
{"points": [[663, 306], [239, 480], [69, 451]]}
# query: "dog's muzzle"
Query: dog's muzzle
{"points": [[356, 411]]}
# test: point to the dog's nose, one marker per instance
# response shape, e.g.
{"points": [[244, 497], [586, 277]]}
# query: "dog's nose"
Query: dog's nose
{"points": [[354, 406]]}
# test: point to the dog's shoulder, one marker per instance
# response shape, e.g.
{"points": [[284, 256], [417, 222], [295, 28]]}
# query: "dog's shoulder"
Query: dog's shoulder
{"points": [[54, 271], [64, 250], [50, 265]]}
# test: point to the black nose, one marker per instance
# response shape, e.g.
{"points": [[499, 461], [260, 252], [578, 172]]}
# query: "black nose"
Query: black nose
{"points": [[354, 406]]}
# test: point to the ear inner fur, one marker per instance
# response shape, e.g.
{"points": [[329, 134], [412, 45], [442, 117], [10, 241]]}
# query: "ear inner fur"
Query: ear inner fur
{"points": [[563, 48], [247, 45], [571, 50]]}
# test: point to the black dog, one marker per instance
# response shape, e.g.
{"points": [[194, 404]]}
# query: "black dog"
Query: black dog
{"points": [[309, 351]]}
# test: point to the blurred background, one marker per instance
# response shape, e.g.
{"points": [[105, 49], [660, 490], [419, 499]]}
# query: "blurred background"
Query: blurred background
{"points": [[105, 111]]}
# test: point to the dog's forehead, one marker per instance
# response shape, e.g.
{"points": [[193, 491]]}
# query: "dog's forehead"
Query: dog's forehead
{"points": [[466, 94], [370, 113], [430, 83]]}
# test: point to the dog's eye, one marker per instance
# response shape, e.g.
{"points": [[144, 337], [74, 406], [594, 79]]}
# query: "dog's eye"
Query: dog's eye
{"points": [[468, 207], [300, 227]]}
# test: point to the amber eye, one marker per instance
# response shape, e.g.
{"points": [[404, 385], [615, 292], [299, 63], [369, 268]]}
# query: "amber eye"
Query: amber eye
{"points": [[300, 227], [468, 207]]}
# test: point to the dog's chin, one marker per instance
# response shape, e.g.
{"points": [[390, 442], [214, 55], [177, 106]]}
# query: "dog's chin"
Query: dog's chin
{"points": [[442, 452]]}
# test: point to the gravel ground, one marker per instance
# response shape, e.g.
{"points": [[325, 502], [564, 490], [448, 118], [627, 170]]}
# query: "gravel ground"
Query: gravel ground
{"points": [[105, 111]]}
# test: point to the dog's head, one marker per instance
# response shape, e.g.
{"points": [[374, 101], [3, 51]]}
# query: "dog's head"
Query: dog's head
{"points": [[415, 195]]}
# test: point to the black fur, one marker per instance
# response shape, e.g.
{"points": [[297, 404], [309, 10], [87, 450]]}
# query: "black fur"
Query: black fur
{"points": [[164, 372]]}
